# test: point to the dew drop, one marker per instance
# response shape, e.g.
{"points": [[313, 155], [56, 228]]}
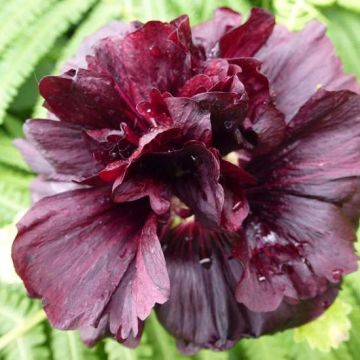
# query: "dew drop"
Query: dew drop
{"points": [[205, 262], [228, 124], [237, 206], [261, 278], [155, 50], [193, 157], [337, 274], [270, 238]]}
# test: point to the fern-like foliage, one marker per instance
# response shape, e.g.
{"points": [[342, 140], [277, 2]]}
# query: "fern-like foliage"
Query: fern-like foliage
{"points": [[296, 13], [18, 15], [14, 193], [68, 345], [19, 60], [19, 312], [98, 16]]}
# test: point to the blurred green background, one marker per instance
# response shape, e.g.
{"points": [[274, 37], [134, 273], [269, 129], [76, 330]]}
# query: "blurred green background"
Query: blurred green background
{"points": [[36, 36]]}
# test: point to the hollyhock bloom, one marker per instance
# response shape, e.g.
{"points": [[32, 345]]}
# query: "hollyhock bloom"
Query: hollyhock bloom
{"points": [[212, 173]]}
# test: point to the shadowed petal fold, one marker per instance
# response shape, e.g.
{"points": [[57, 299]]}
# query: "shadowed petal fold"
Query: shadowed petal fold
{"points": [[296, 71], [75, 257], [248, 38], [64, 146]]}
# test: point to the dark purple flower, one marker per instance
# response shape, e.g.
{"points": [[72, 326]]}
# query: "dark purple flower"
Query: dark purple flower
{"points": [[204, 170]]}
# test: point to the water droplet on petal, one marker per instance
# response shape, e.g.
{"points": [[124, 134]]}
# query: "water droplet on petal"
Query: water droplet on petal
{"points": [[155, 50], [237, 206], [270, 238], [228, 124], [205, 262], [261, 278]]}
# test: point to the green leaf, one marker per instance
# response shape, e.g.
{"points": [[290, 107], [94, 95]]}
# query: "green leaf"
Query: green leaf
{"points": [[328, 331], [344, 29], [258, 349], [116, 351], [14, 193], [9, 155], [13, 126], [353, 5], [68, 345], [294, 14], [22, 334], [21, 13], [19, 60]]}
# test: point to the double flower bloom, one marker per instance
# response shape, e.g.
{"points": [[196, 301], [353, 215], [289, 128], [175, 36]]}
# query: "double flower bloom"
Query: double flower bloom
{"points": [[204, 170]]}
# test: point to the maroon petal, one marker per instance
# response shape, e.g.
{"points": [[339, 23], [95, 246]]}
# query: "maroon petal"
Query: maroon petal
{"points": [[135, 188], [84, 97], [227, 112], [234, 181], [33, 157], [294, 247], [296, 71], [42, 187], [198, 185], [193, 120], [210, 32], [247, 39], [64, 147], [298, 238], [321, 158], [114, 28], [165, 64], [202, 309], [289, 315], [90, 335], [145, 283], [73, 249]]}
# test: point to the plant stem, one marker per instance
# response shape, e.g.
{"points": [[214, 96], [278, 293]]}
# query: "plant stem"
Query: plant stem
{"points": [[22, 328]]}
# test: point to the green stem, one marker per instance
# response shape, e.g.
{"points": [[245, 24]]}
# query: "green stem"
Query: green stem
{"points": [[22, 328]]}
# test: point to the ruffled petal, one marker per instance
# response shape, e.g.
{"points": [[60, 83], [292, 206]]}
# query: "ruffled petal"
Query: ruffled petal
{"points": [[42, 187], [118, 29], [198, 183], [297, 236], [137, 187], [192, 119], [145, 283], [321, 158], [296, 71], [73, 250], [247, 39], [294, 247], [85, 97], [33, 157], [165, 65], [210, 32], [63, 146], [202, 311], [227, 112]]}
